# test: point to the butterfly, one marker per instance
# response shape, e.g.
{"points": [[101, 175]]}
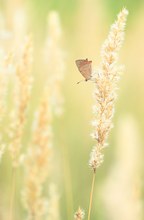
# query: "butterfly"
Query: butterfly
{"points": [[85, 68]]}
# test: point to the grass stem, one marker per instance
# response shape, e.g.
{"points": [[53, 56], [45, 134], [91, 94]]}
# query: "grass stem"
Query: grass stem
{"points": [[91, 195], [12, 197]]}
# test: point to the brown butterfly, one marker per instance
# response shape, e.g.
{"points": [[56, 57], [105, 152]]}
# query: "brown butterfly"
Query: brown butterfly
{"points": [[85, 68]]}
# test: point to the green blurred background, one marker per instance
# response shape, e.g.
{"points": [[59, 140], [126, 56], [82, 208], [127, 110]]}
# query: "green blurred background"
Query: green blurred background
{"points": [[85, 25]]}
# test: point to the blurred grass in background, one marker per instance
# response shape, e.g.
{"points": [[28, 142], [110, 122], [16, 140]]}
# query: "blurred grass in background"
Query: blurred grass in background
{"points": [[85, 24]]}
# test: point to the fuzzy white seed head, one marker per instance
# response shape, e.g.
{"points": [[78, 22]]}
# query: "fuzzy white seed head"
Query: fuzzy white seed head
{"points": [[80, 214], [106, 85]]}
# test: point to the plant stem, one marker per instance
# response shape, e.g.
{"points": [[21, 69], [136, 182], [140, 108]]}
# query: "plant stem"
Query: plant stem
{"points": [[12, 198], [91, 195], [67, 179]]}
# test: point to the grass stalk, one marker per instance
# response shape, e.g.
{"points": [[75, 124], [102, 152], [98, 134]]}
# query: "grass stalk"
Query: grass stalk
{"points": [[91, 195], [12, 197]]}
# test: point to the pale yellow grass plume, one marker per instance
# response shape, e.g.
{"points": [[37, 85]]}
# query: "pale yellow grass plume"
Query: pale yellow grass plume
{"points": [[54, 60], [80, 214], [106, 80], [16, 20], [19, 25], [38, 159], [37, 162], [22, 90], [53, 203], [55, 71], [122, 192], [6, 69], [2, 149]]}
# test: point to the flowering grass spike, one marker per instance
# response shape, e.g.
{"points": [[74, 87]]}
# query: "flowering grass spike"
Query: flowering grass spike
{"points": [[106, 80]]}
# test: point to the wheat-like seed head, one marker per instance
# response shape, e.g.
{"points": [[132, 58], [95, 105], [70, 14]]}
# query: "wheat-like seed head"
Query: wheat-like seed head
{"points": [[16, 20], [6, 68], [79, 215], [106, 80], [2, 149], [53, 203], [22, 87], [37, 161], [54, 60], [38, 158]]}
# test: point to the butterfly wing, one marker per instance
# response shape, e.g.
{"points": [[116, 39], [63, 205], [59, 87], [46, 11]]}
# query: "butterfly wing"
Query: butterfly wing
{"points": [[85, 68]]}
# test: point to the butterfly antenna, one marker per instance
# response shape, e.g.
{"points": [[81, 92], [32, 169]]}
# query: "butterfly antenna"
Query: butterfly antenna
{"points": [[80, 81]]}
